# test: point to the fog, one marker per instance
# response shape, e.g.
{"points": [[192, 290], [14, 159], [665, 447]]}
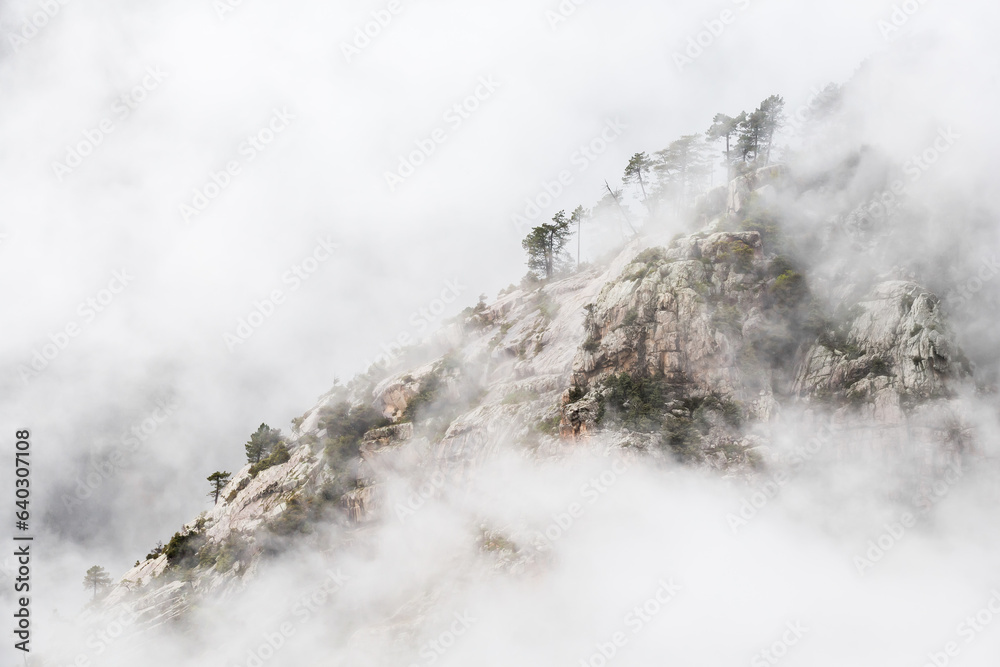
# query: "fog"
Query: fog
{"points": [[294, 132]]}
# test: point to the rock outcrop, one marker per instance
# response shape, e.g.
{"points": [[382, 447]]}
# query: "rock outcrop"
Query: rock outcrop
{"points": [[689, 349]]}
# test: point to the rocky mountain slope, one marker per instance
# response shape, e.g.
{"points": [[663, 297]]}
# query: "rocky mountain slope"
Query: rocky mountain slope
{"points": [[687, 348]]}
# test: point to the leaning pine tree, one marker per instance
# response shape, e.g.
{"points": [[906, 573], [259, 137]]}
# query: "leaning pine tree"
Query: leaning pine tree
{"points": [[218, 480]]}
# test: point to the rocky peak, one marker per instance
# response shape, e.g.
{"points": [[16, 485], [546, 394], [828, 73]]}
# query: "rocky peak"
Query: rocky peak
{"points": [[686, 349]]}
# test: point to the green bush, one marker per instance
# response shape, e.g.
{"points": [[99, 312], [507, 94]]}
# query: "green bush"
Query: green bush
{"points": [[345, 427], [635, 402], [279, 455], [426, 395], [549, 426], [737, 253], [649, 256], [789, 288], [244, 483], [156, 552], [292, 520], [234, 548], [182, 549], [520, 396]]}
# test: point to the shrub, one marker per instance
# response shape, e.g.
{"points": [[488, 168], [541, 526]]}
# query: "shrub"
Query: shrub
{"points": [[291, 521], [737, 253], [649, 255], [682, 438], [636, 402], [789, 288], [426, 395], [244, 483], [262, 443], [549, 426], [520, 396], [277, 457], [345, 427], [182, 549], [156, 552]]}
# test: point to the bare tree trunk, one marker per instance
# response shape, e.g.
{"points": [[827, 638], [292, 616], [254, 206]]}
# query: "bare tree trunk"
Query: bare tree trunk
{"points": [[620, 209]]}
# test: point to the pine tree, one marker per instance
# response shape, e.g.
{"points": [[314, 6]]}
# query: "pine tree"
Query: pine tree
{"points": [[726, 127], [773, 117], [637, 167], [756, 130], [262, 442], [218, 480], [682, 165], [96, 577], [545, 244]]}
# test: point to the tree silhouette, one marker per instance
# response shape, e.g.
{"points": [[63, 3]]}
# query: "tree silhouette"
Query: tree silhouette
{"points": [[96, 577], [682, 165], [262, 442], [545, 244], [756, 130], [218, 481], [637, 167], [578, 215], [726, 127]]}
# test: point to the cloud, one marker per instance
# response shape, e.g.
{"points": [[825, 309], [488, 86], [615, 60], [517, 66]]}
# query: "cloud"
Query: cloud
{"points": [[65, 235]]}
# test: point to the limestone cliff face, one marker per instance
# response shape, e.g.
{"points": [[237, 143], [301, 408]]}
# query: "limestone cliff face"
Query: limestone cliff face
{"points": [[687, 348]]}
